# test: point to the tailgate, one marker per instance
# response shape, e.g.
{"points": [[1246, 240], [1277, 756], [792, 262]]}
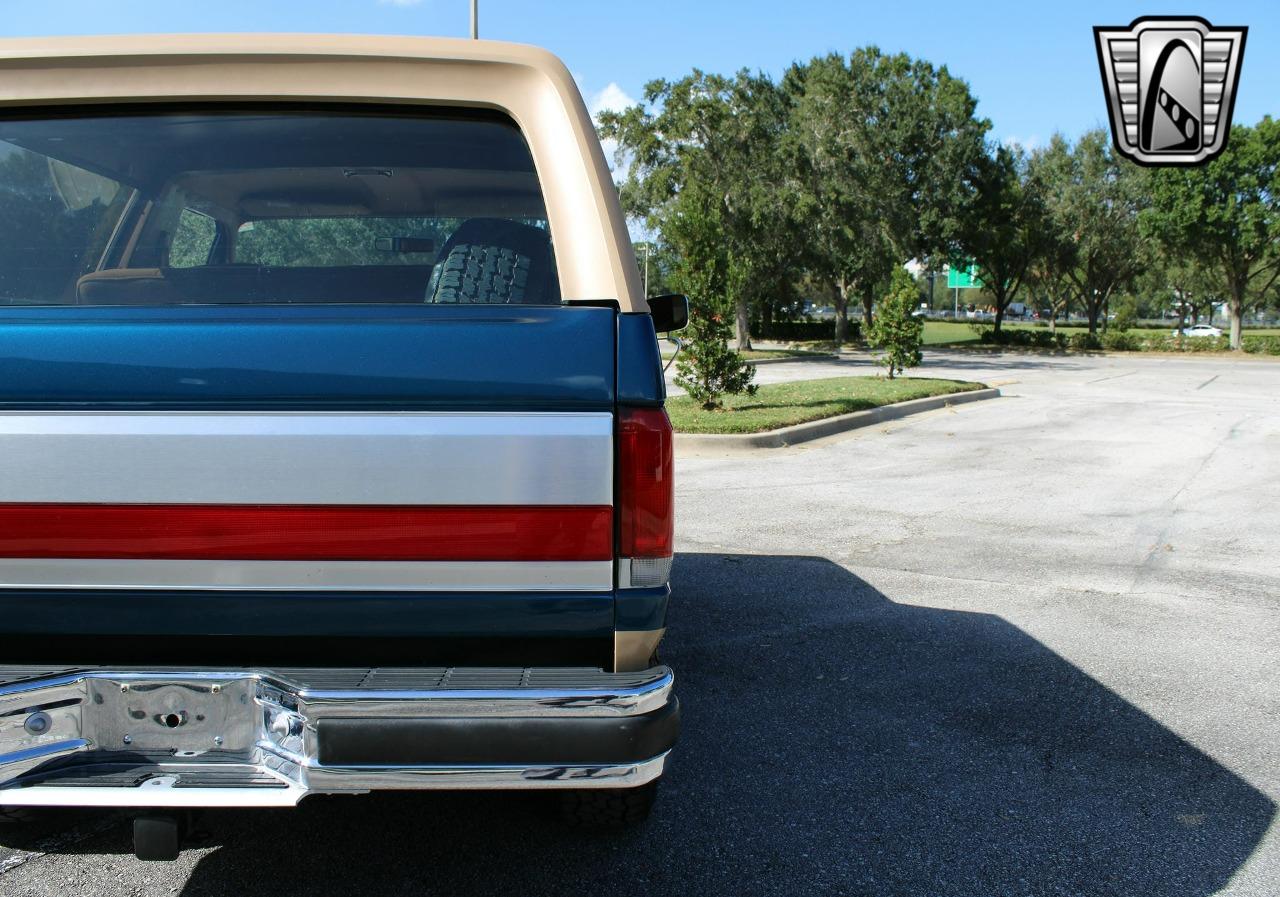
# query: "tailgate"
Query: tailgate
{"points": [[373, 478]]}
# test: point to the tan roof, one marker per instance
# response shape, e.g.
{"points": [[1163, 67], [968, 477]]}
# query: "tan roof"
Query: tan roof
{"points": [[529, 84]]}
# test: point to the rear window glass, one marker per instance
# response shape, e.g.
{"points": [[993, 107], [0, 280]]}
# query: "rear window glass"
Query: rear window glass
{"points": [[271, 206], [322, 242]]}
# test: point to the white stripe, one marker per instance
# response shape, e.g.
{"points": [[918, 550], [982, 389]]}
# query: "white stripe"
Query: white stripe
{"points": [[357, 576], [396, 458]]}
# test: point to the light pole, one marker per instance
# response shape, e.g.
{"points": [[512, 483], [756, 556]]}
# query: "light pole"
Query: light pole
{"points": [[475, 19], [647, 250]]}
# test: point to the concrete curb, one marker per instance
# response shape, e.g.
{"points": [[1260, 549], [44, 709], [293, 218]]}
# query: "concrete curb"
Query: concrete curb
{"points": [[829, 426]]}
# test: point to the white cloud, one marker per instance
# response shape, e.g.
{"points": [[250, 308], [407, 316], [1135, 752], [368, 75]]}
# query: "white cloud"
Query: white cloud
{"points": [[612, 99], [1027, 143]]}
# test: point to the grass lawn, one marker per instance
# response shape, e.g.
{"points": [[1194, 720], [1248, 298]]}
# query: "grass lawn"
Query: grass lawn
{"points": [[784, 404], [959, 332], [938, 332]]}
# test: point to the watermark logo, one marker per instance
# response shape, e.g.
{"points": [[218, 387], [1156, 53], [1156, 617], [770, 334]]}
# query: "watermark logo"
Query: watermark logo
{"points": [[1171, 84]]}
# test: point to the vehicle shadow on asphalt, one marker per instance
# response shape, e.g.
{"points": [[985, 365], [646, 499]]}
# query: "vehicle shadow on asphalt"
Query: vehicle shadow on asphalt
{"points": [[834, 742]]}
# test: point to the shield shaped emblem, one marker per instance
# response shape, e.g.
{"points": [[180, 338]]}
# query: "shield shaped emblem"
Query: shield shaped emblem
{"points": [[1171, 86]]}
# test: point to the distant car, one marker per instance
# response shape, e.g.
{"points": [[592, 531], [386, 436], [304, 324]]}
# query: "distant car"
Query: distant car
{"points": [[1200, 330]]}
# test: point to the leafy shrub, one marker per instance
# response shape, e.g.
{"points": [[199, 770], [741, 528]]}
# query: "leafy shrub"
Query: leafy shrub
{"points": [[1126, 314], [895, 330], [1203, 344], [708, 368], [1262, 344], [1038, 339], [1121, 341], [1083, 342], [803, 331]]}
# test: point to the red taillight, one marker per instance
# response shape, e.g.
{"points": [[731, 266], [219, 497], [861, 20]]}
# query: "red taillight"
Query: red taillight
{"points": [[646, 484]]}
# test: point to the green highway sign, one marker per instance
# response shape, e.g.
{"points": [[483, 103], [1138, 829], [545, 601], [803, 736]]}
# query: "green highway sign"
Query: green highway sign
{"points": [[963, 277]]}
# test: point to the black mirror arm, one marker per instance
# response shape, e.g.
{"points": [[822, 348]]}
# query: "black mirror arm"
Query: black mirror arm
{"points": [[672, 360]]}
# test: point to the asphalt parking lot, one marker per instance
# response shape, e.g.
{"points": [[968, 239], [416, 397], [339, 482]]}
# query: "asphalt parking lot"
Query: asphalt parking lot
{"points": [[1025, 646]]}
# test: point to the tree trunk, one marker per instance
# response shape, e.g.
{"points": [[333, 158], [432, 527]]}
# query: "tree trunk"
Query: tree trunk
{"points": [[1182, 316], [842, 312], [868, 300], [743, 313], [1002, 305], [1235, 305], [1091, 309]]}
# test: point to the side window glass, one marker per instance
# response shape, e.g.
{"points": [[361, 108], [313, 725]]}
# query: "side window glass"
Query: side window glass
{"points": [[192, 240]]}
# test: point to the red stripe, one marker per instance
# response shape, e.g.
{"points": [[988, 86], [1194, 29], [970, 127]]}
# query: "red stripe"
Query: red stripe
{"points": [[308, 532]]}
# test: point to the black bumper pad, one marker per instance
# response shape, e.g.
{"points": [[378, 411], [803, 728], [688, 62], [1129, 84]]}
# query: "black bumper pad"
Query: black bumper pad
{"points": [[505, 741]]}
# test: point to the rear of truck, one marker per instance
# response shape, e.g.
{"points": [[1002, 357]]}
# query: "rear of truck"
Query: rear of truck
{"points": [[332, 449]]}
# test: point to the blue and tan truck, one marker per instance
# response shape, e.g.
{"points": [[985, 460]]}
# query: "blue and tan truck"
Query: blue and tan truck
{"points": [[333, 455]]}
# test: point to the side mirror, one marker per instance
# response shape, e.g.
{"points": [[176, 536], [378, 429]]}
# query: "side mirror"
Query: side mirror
{"points": [[670, 313]]}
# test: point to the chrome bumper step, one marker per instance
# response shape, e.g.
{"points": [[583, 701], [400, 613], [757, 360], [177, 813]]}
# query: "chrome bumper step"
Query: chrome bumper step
{"points": [[209, 737]]}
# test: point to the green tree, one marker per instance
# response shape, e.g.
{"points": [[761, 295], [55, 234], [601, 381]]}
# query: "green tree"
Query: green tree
{"points": [[704, 171], [1179, 285], [1004, 230], [707, 368], [1094, 243], [883, 148], [1226, 216], [1126, 314], [895, 331]]}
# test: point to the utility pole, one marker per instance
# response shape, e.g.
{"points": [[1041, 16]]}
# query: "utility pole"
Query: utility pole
{"points": [[647, 249], [475, 19]]}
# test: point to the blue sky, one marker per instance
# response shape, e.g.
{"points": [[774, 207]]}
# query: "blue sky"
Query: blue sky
{"points": [[1031, 65]]}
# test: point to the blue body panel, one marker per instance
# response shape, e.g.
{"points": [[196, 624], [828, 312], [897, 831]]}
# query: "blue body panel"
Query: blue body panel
{"points": [[640, 378], [270, 628], [642, 609], [301, 614], [348, 357]]}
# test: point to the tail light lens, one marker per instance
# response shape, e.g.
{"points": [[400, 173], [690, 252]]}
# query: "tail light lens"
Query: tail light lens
{"points": [[646, 484]]}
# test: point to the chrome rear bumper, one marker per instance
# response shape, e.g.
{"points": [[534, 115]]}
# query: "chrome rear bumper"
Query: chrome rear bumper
{"points": [[208, 737]]}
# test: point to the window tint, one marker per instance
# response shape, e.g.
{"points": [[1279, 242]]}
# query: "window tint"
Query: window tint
{"points": [[54, 221], [227, 205], [193, 239], [324, 242]]}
